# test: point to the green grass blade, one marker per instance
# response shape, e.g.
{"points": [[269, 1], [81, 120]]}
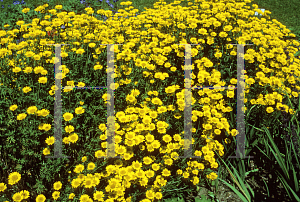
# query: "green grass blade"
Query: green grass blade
{"points": [[287, 187], [277, 155], [263, 152], [266, 187], [244, 189], [296, 182], [234, 179], [295, 153], [250, 189], [281, 163], [295, 179], [251, 171], [235, 191]]}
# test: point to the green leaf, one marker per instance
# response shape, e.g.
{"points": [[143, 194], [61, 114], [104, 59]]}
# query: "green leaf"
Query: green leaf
{"points": [[203, 199], [19, 167], [277, 154], [297, 54], [250, 171], [235, 191]]}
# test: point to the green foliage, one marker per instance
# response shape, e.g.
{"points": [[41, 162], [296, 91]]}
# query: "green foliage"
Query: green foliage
{"points": [[203, 199], [174, 200]]}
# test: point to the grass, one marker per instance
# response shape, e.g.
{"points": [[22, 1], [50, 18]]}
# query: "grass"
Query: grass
{"points": [[273, 139], [283, 11]]}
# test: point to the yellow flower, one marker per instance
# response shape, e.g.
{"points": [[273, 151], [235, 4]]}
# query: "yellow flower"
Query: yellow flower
{"points": [[234, 132], [79, 110], [50, 140], [83, 159], [98, 67], [17, 197], [170, 89], [207, 127], [156, 101], [36, 57], [20, 23], [177, 115], [149, 173], [16, 69], [179, 172], [202, 31], [26, 89], [72, 195], [79, 168], [214, 165], [58, 7], [25, 194], [150, 194], [149, 137], [166, 173], [230, 94], [130, 98], [233, 81], [46, 127], [43, 112], [80, 51], [198, 153], [14, 178], [40, 198], [186, 175], [181, 26], [55, 195], [168, 162], [147, 160], [218, 54], [212, 176], [195, 180], [29, 54], [2, 187], [13, 107], [38, 69], [205, 149], [217, 131], [98, 195], [135, 92], [269, 109], [66, 140], [155, 166], [73, 138], [68, 116], [69, 129], [46, 151], [64, 54], [31, 110], [155, 144], [26, 10], [260, 74], [167, 138], [57, 185], [102, 127], [21, 116], [92, 45], [91, 166], [27, 70]]}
